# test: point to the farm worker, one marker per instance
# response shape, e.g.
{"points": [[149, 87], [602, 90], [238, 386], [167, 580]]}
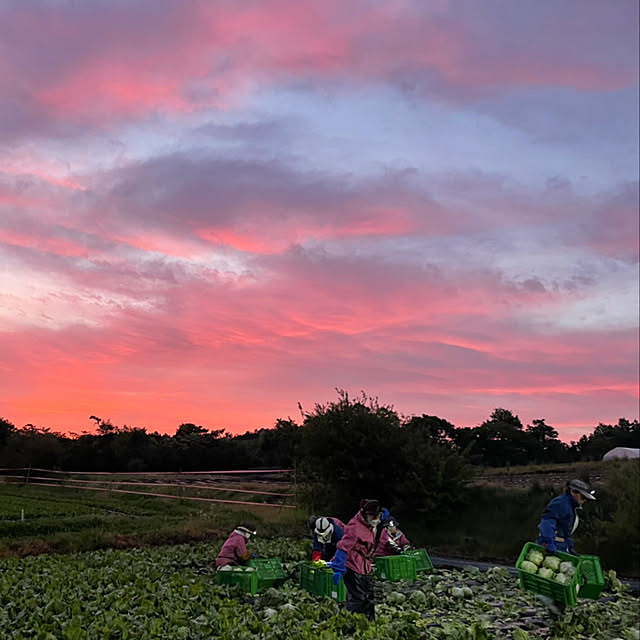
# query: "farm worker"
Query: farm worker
{"points": [[327, 532], [559, 521], [354, 556], [392, 541], [234, 550], [560, 518]]}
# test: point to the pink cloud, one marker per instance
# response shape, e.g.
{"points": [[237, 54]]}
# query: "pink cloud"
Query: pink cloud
{"points": [[91, 64], [407, 333], [221, 346], [178, 287]]}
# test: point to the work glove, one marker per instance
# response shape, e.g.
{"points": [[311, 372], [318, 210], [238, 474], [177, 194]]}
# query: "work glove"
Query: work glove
{"points": [[254, 555], [316, 555], [406, 547], [572, 551], [337, 565], [385, 515]]}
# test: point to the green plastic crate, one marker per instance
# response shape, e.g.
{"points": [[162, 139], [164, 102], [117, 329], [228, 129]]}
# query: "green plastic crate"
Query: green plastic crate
{"points": [[270, 572], [319, 581], [423, 561], [593, 576], [566, 593], [247, 580], [394, 568]]}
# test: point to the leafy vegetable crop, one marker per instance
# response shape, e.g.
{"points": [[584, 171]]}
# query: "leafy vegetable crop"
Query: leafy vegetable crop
{"points": [[171, 593]]}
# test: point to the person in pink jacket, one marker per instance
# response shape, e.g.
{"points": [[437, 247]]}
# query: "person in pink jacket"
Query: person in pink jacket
{"points": [[353, 560], [392, 541], [234, 550]]}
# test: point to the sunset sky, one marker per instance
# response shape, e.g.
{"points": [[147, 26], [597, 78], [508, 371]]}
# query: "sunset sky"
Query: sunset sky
{"points": [[211, 211]]}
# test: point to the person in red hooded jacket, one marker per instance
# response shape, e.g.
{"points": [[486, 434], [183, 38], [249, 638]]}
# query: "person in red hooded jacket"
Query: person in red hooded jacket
{"points": [[354, 556], [392, 541], [234, 550]]}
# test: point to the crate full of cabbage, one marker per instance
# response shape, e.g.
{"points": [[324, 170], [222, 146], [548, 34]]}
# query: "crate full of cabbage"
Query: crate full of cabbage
{"points": [[551, 574]]}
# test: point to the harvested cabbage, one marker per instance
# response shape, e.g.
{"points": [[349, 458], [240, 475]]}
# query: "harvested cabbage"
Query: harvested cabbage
{"points": [[227, 567], [553, 562], [567, 567], [395, 597], [562, 578], [535, 556], [545, 572], [528, 566]]}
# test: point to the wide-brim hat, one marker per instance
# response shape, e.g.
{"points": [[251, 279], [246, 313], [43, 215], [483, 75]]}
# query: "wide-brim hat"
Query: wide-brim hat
{"points": [[370, 506], [583, 488], [247, 528]]}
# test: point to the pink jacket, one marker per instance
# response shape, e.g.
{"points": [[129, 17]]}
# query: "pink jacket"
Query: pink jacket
{"points": [[233, 551], [385, 546], [358, 542]]}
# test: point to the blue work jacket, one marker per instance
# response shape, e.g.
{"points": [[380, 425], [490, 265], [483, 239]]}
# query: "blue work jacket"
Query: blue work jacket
{"points": [[557, 523]]}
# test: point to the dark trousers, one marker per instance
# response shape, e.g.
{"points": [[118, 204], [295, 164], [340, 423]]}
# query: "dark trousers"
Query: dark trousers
{"points": [[359, 593]]}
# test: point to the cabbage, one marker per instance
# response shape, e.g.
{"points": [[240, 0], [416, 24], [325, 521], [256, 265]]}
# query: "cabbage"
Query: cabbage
{"points": [[545, 572], [553, 562], [467, 592], [567, 568], [395, 597], [562, 578], [457, 592], [528, 566], [227, 567], [418, 598], [535, 556]]}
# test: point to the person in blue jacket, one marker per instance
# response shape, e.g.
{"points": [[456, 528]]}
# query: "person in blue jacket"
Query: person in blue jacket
{"points": [[327, 532], [559, 520]]}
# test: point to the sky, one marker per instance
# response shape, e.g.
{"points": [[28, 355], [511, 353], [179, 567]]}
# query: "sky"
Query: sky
{"points": [[211, 211]]}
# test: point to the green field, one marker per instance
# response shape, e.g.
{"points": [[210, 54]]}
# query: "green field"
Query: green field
{"points": [[171, 592], [64, 520], [132, 585]]}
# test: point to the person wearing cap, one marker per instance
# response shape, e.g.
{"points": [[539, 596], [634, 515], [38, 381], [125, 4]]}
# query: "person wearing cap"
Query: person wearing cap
{"points": [[234, 550], [559, 521], [392, 540], [327, 532], [353, 560], [560, 518]]}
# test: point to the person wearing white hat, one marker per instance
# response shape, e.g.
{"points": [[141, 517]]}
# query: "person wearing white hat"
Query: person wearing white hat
{"points": [[327, 532], [234, 550]]}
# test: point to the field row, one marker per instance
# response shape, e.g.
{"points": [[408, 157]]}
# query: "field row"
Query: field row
{"points": [[171, 592]]}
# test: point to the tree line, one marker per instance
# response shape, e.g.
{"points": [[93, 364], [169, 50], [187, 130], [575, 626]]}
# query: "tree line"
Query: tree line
{"points": [[350, 444], [349, 431]]}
